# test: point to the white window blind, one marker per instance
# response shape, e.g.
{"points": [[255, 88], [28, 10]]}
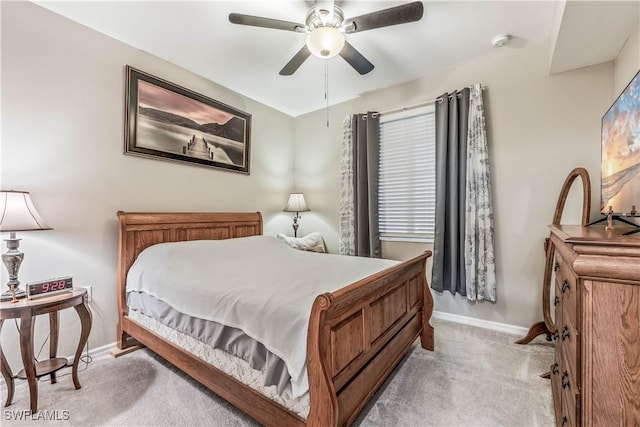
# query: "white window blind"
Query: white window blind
{"points": [[407, 180]]}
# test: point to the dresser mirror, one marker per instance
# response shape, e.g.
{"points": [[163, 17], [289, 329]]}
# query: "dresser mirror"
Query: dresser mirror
{"points": [[571, 193]]}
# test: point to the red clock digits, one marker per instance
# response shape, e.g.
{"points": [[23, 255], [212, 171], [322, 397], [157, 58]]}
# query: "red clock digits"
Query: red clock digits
{"points": [[49, 287]]}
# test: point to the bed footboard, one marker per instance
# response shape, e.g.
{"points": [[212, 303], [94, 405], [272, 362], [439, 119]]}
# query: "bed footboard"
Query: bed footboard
{"points": [[358, 334]]}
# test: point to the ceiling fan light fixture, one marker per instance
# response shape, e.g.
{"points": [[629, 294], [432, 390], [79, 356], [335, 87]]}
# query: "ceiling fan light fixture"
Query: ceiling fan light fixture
{"points": [[325, 42]]}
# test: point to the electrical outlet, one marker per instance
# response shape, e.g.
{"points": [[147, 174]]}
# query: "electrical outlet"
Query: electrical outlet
{"points": [[89, 294]]}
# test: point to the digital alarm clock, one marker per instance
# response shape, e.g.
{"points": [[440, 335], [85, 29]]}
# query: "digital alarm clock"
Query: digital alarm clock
{"points": [[44, 288]]}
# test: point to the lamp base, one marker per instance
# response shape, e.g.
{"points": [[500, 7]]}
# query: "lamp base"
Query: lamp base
{"points": [[295, 224], [8, 296], [12, 260]]}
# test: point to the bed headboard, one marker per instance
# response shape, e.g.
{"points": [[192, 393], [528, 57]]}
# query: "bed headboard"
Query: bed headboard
{"points": [[139, 230]]}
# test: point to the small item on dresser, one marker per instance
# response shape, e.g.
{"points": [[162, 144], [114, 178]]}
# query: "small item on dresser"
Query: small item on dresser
{"points": [[312, 242], [45, 288], [610, 219]]}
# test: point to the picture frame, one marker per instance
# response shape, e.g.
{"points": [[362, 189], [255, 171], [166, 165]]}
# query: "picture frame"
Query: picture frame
{"points": [[169, 122]]}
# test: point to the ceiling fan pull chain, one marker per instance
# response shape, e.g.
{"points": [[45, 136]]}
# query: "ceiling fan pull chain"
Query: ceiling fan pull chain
{"points": [[326, 86]]}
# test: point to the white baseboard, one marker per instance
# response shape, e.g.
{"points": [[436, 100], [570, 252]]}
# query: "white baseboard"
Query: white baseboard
{"points": [[97, 352], [480, 323]]}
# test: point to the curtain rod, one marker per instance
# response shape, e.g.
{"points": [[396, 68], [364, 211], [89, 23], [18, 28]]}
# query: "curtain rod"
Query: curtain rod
{"points": [[439, 99], [419, 104], [408, 107]]}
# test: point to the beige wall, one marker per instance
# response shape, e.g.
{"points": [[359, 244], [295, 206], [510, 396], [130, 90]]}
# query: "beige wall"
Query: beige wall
{"points": [[540, 127], [627, 64], [62, 140]]}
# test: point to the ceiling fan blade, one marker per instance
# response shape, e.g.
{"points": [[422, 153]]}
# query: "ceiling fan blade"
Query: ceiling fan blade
{"points": [[402, 14], [258, 21], [356, 59], [295, 62]]}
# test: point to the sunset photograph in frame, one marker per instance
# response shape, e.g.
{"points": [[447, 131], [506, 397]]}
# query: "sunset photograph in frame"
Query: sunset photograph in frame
{"points": [[170, 122]]}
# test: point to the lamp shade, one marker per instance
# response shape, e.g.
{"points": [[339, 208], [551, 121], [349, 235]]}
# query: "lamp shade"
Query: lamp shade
{"points": [[325, 42], [17, 212], [296, 203]]}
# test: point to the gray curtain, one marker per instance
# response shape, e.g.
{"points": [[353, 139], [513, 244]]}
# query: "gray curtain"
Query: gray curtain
{"points": [[366, 155], [452, 120]]}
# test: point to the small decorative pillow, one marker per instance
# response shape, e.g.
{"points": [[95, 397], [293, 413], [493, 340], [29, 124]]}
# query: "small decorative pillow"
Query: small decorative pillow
{"points": [[311, 242]]}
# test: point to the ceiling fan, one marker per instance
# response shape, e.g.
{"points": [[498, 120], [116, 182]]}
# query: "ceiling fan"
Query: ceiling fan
{"points": [[326, 27]]}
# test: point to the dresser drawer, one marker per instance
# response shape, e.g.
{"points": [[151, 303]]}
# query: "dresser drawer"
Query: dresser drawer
{"points": [[569, 392], [557, 313], [569, 337], [566, 282], [556, 387], [568, 418]]}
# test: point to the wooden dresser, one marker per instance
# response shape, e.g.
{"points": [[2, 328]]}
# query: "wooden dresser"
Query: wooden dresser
{"points": [[596, 375]]}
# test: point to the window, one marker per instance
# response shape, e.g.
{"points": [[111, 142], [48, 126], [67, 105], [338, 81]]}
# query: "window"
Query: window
{"points": [[407, 178]]}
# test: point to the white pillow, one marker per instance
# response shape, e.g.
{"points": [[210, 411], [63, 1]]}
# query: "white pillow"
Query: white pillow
{"points": [[311, 242]]}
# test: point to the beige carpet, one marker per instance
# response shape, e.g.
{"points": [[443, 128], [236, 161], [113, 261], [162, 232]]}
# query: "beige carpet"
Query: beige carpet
{"points": [[475, 377]]}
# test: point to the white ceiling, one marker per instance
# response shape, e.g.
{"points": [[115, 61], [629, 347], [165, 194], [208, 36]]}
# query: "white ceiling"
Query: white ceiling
{"points": [[198, 36], [592, 32]]}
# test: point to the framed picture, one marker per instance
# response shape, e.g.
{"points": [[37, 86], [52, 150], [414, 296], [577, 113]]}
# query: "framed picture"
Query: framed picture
{"points": [[169, 122]]}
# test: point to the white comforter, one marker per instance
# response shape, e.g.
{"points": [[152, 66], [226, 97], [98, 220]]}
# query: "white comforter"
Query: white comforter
{"points": [[258, 284]]}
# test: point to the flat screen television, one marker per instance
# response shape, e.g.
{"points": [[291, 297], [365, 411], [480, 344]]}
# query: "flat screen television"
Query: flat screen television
{"points": [[620, 169]]}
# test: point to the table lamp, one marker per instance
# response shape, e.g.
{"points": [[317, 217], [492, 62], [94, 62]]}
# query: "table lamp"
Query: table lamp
{"points": [[17, 213], [296, 204]]}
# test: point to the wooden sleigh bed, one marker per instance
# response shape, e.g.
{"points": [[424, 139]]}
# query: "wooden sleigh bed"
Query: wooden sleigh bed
{"points": [[356, 335]]}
